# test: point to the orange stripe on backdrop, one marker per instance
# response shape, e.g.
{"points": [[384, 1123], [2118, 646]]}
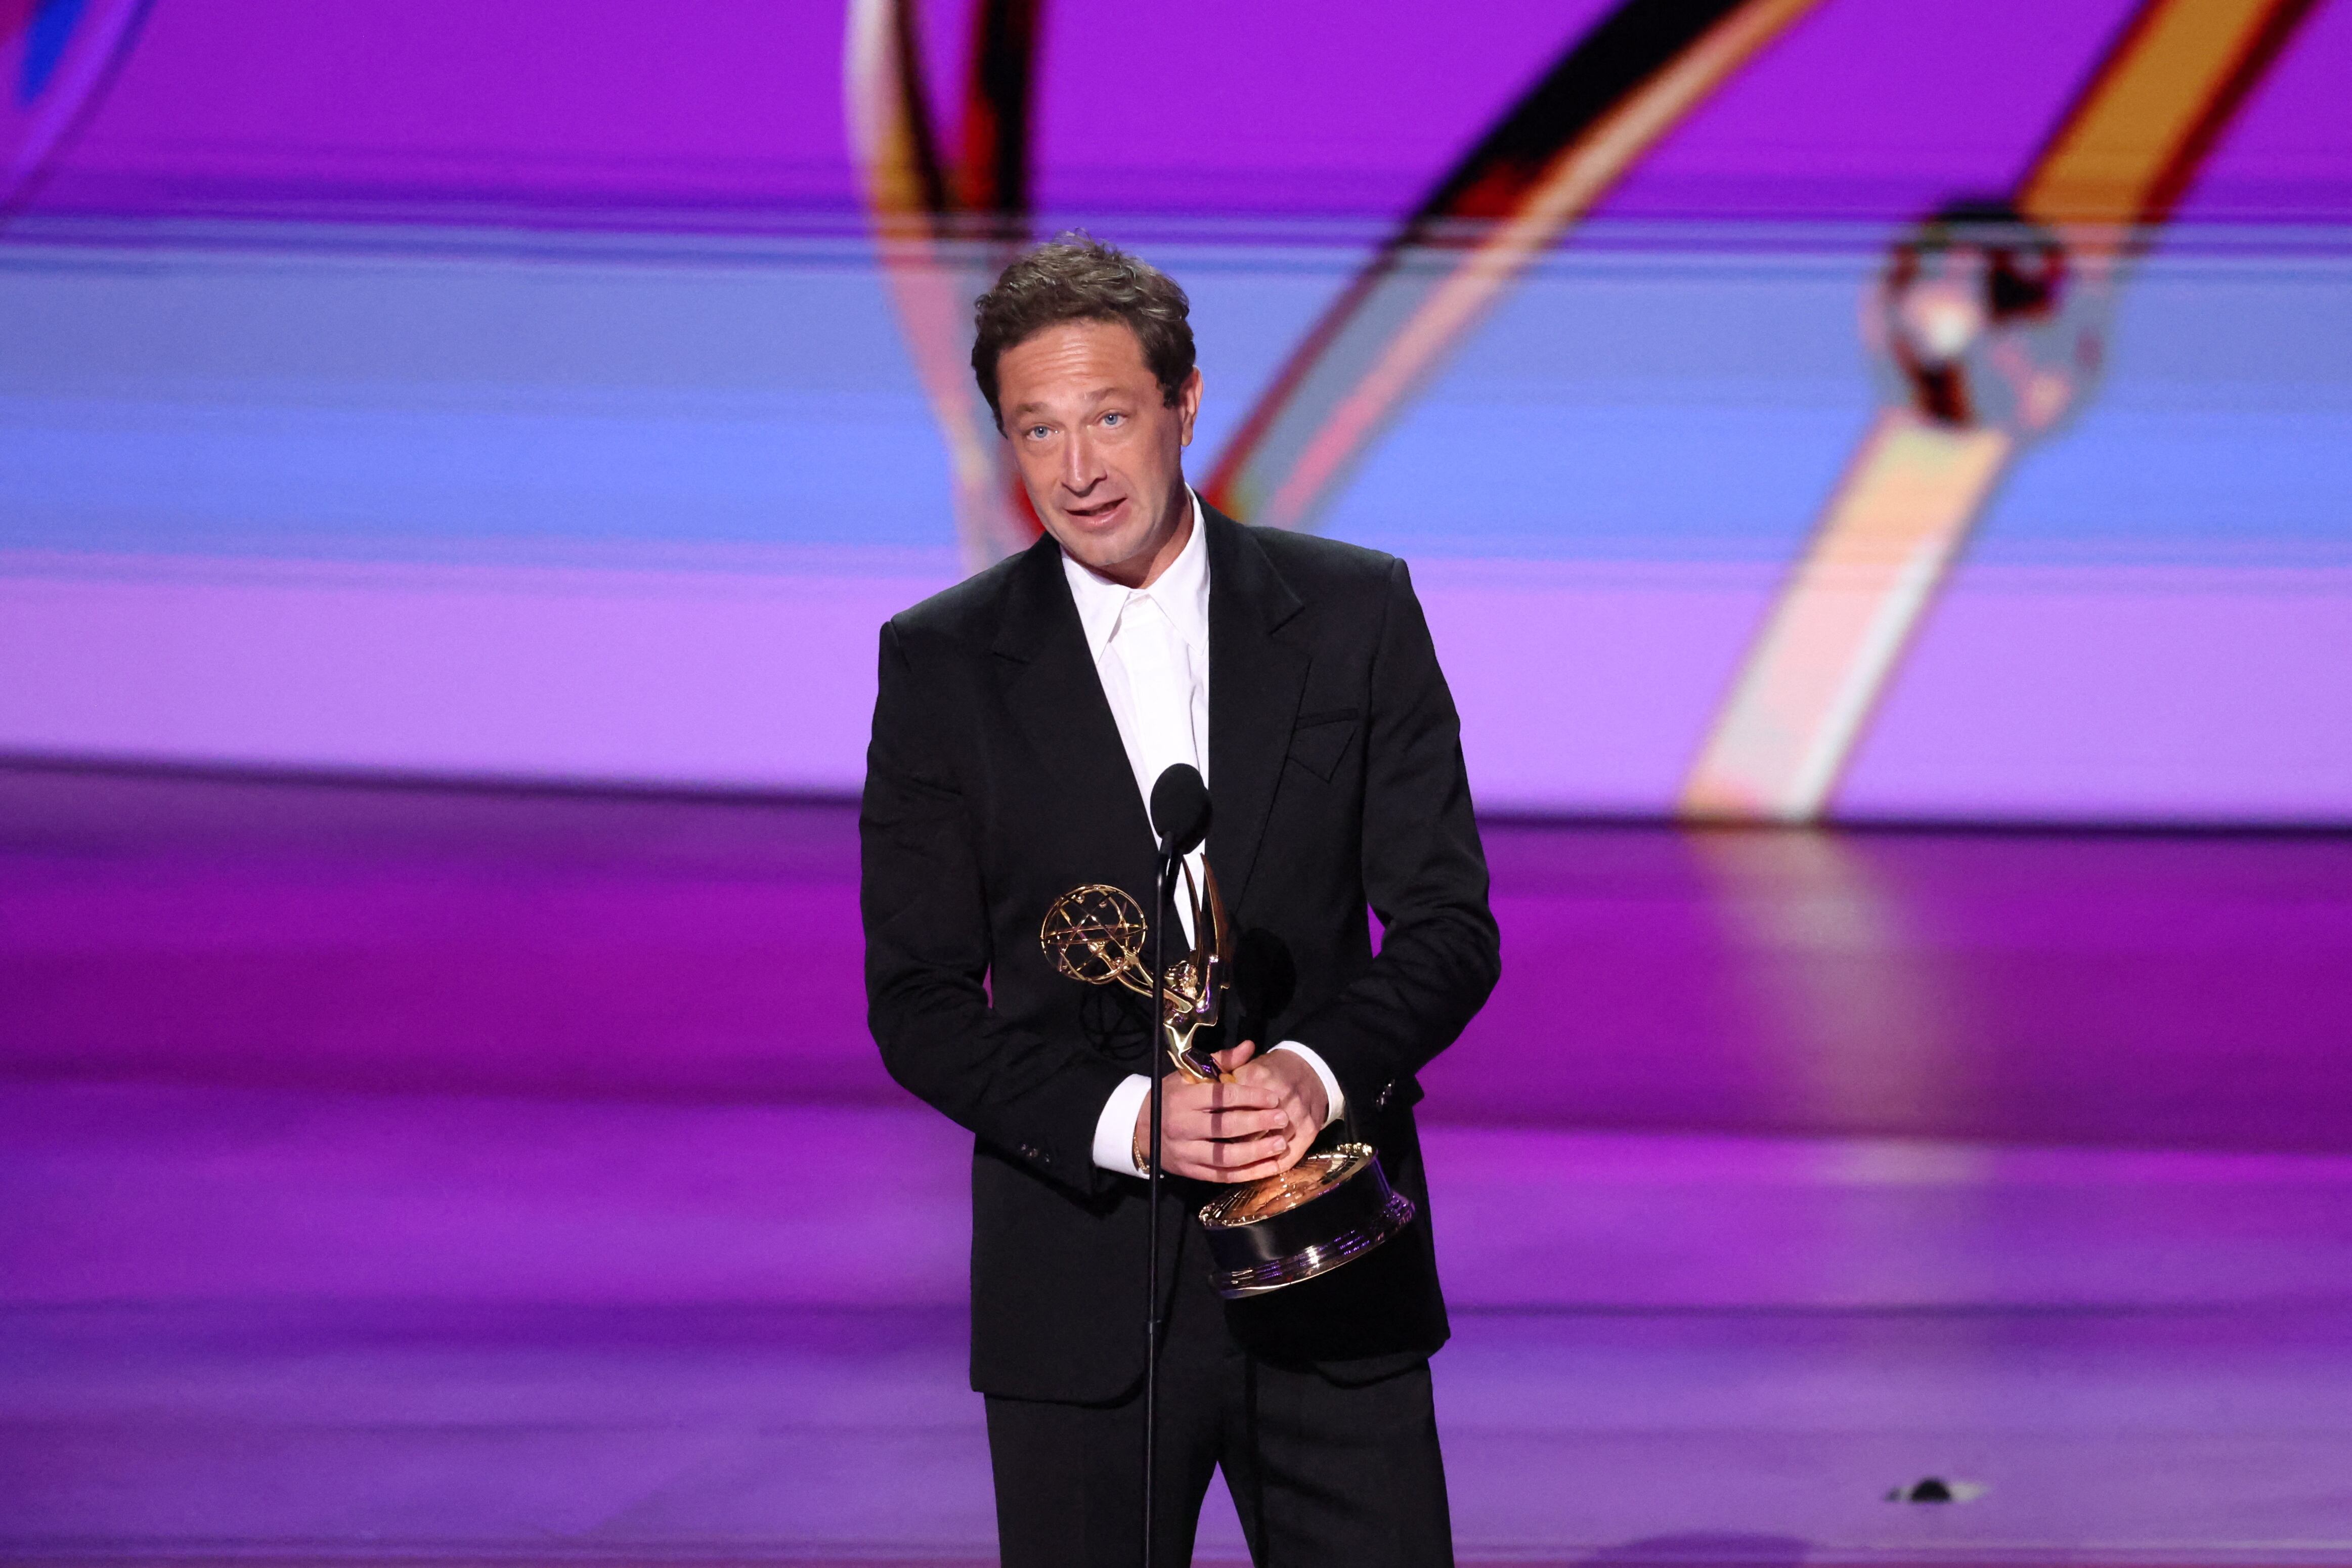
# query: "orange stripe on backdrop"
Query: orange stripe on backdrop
{"points": [[2117, 161], [1578, 177], [946, 231], [1411, 307], [2129, 144]]}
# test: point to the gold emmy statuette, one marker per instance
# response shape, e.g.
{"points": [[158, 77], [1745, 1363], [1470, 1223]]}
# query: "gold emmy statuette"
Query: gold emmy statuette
{"points": [[1335, 1204]]}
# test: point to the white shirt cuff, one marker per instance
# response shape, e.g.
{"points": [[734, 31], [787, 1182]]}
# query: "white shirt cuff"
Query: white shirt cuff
{"points": [[1115, 1128], [1338, 1102]]}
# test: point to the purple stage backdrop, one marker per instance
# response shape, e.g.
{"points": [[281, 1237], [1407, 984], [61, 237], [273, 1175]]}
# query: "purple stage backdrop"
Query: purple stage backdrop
{"points": [[560, 390], [523, 392]]}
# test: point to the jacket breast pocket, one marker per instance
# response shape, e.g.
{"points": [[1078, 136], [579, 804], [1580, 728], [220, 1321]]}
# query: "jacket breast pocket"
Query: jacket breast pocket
{"points": [[1319, 741]]}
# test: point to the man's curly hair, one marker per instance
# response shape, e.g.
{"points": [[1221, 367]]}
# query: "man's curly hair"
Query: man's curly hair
{"points": [[1076, 277]]}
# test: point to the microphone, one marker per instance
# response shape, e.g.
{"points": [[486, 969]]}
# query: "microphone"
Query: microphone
{"points": [[1179, 811], [1180, 815]]}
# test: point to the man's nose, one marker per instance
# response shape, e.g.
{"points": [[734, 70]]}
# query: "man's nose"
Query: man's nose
{"points": [[1079, 470]]}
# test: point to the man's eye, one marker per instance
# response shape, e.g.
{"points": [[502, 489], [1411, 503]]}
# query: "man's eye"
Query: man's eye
{"points": [[1114, 419], [1037, 432]]}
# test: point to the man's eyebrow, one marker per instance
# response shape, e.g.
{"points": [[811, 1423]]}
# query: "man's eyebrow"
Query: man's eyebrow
{"points": [[1091, 400]]}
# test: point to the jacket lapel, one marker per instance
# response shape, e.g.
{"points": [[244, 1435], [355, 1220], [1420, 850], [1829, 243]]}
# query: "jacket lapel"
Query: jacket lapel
{"points": [[1055, 697], [1256, 677]]}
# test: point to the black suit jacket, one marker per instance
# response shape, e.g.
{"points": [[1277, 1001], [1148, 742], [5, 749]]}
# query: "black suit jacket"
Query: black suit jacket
{"points": [[997, 782]]}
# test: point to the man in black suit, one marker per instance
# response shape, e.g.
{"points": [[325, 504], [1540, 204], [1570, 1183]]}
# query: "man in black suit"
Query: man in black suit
{"points": [[1023, 716]]}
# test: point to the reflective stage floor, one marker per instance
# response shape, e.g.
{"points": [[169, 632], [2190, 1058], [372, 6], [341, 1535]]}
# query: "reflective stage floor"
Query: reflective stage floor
{"points": [[420, 1176]]}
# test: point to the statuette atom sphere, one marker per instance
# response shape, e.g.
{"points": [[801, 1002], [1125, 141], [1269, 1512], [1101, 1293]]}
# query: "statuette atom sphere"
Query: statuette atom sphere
{"points": [[1094, 933]]}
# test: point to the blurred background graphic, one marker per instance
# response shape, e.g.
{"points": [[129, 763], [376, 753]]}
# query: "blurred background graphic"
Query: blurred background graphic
{"points": [[1880, 477], [511, 394]]}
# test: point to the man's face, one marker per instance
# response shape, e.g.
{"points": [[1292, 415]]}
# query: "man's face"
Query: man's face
{"points": [[1101, 454]]}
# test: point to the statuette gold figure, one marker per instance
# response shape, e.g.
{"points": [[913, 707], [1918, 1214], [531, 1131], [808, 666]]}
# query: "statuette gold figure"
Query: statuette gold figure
{"points": [[1335, 1204]]}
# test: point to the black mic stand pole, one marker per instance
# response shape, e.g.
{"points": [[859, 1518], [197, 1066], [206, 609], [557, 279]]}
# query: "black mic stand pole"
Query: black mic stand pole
{"points": [[1167, 880]]}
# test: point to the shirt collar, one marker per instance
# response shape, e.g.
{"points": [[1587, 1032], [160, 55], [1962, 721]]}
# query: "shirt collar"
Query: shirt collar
{"points": [[1182, 592]]}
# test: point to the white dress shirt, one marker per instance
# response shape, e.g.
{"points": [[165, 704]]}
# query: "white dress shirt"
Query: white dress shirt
{"points": [[1151, 649]]}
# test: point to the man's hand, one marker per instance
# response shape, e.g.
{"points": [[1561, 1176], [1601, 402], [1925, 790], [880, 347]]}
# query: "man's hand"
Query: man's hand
{"points": [[1258, 1125], [1305, 1105]]}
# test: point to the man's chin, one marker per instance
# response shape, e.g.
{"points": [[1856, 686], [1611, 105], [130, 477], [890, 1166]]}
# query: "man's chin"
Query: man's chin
{"points": [[1100, 553]]}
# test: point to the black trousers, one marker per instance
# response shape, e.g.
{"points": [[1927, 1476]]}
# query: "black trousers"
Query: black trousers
{"points": [[1321, 1472]]}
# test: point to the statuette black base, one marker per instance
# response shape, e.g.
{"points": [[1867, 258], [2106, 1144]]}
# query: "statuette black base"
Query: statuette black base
{"points": [[1333, 1205]]}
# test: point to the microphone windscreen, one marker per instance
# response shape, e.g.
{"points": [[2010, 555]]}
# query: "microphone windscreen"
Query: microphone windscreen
{"points": [[1179, 810]]}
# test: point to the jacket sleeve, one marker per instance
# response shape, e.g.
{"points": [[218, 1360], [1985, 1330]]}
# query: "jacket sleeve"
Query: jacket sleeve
{"points": [[1425, 875], [928, 947]]}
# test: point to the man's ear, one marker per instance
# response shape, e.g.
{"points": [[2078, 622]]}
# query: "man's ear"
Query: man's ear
{"points": [[1187, 407]]}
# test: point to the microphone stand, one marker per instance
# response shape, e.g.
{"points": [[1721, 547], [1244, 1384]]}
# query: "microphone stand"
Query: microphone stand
{"points": [[1167, 880]]}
